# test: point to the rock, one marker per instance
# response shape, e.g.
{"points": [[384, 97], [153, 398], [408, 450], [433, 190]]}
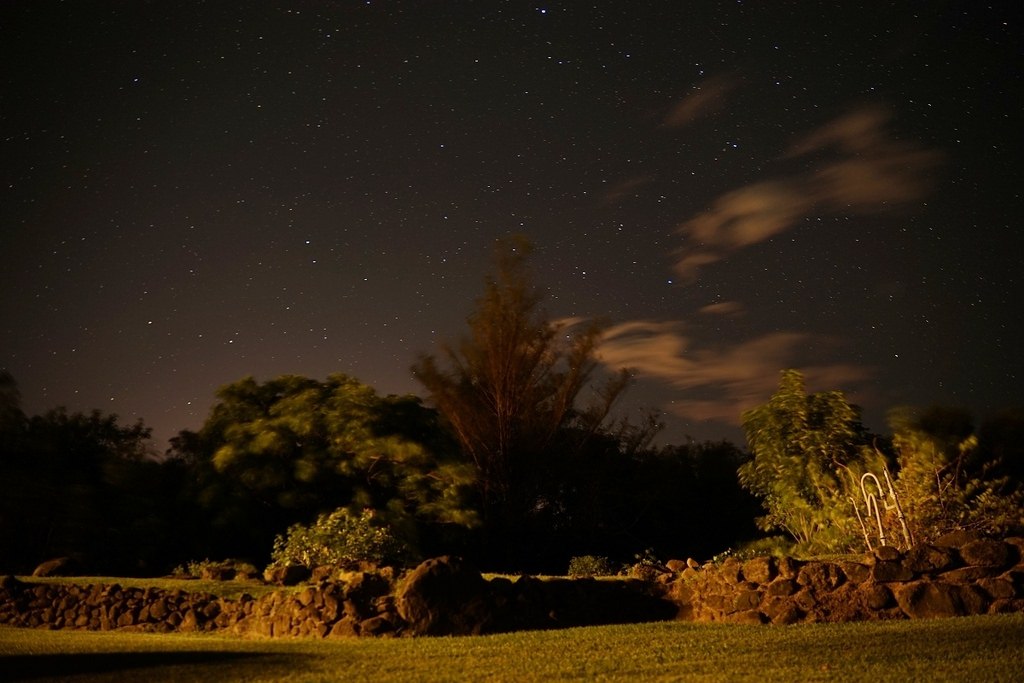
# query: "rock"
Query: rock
{"points": [[217, 573], [787, 614], [926, 600], [731, 570], [875, 596], [190, 622], [746, 600], [788, 567], [376, 626], [288, 575], [60, 566], [986, 552], [1006, 606], [1017, 543], [965, 575], [997, 589], [956, 539], [781, 587], [973, 600], [856, 572], [677, 566], [444, 596], [344, 628], [839, 605], [820, 577], [925, 559], [746, 617], [934, 599], [887, 572], [759, 570], [887, 553], [323, 573]]}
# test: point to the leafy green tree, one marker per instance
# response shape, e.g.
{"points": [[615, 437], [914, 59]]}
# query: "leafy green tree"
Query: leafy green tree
{"points": [[510, 389], [947, 480], [809, 452], [275, 453]]}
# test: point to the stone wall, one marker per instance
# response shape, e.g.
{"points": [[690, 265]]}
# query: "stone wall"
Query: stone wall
{"points": [[442, 596], [959, 575], [361, 604]]}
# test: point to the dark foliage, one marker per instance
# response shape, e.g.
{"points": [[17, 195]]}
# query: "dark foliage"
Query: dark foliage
{"points": [[82, 485]]}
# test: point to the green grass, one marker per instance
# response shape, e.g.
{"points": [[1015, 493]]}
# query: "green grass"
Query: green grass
{"points": [[971, 648], [223, 589]]}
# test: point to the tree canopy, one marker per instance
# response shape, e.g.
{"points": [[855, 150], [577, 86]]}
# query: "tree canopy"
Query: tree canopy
{"points": [[285, 450], [80, 485], [809, 451], [511, 389], [949, 479], [813, 463]]}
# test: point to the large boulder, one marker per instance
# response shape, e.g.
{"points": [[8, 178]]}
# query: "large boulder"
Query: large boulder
{"points": [[988, 552], [444, 596], [60, 566], [931, 600]]}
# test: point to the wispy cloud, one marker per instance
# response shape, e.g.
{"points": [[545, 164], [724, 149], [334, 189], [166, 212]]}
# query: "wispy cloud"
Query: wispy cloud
{"points": [[853, 164], [729, 379], [705, 98], [723, 308], [865, 170], [626, 188]]}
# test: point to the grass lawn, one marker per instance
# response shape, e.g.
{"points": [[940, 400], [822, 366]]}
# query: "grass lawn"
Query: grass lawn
{"points": [[223, 589], [987, 648]]}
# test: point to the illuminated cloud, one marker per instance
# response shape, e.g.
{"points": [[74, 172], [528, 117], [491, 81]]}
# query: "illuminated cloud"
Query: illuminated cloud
{"points": [[625, 189], [854, 165], [873, 172], [729, 379], [723, 308], [748, 216], [705, 99]]}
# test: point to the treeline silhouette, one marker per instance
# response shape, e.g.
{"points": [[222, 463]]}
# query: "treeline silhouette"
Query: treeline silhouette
{"points": [[505, 462], [85, 486]]}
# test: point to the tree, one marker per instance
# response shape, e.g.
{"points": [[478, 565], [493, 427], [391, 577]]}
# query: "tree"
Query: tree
{"points": [[809, 452], [79, 484], [510, 389], [275, 453], [948, 479], [13, 422]]}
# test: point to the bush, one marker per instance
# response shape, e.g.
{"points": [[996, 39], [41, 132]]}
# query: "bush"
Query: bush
{"points": [[590, 565], [340, 538], [223, 570]]}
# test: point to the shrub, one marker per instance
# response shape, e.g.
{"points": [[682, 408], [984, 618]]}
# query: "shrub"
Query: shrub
{"points": [[340, 537], [590, 565], [219, 570]]}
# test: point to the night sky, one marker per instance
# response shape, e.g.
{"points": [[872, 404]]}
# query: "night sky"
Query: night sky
{"points": [[196, 192]]}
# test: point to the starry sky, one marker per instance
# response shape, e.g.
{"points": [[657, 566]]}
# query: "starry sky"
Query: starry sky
{"points": [[194, 192]]}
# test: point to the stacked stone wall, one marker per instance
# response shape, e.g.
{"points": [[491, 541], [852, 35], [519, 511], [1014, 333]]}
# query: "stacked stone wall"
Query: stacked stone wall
{"points": [[359, 604], [958, 575], [440, 597]]}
